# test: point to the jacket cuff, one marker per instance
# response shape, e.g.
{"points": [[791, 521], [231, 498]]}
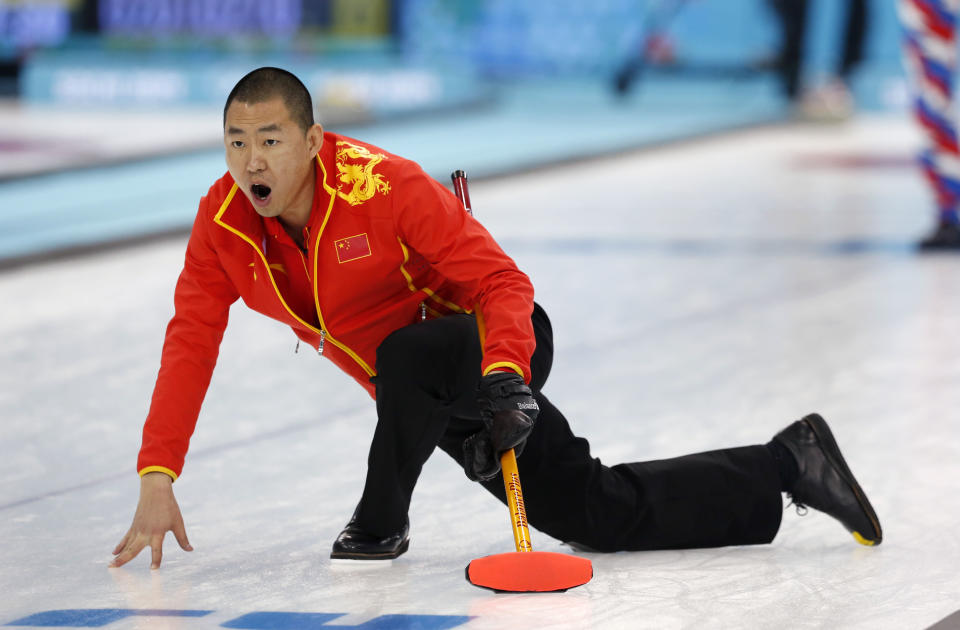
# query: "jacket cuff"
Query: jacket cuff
{"points": [[166, 471], [504, 364]]}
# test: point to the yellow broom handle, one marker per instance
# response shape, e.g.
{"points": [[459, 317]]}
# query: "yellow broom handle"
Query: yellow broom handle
{"points": [[508, 461], [518, 514]]}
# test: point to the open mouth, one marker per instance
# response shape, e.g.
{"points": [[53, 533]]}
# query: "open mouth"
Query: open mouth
{"points": [[260, 191]]}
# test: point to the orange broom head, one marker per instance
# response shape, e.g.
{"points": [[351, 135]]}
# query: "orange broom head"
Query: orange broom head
{"points": [[529, 571]]}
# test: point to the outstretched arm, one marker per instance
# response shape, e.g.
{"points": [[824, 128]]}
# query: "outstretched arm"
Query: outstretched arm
{"points": [[157, 513], [202, 302]]}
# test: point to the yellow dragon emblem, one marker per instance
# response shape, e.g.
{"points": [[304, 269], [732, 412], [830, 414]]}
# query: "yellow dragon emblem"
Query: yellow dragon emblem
{"points": [[358, 182]]}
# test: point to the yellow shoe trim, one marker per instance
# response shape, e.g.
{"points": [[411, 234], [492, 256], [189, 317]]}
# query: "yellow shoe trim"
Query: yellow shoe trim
{"points": [[863, 541]]}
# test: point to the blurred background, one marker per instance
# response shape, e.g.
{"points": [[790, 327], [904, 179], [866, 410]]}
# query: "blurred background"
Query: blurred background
{"points": [[717, 201], [101, 100]]}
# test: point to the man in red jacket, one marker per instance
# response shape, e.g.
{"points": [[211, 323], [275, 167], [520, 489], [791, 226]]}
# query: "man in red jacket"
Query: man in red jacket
{"points": [[380, 269]]}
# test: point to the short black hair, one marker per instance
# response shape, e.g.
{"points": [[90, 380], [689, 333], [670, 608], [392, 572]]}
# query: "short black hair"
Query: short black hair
{"points": [[264, 84]]}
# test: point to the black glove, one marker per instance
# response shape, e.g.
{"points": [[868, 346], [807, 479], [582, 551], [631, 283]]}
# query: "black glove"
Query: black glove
{"points": [[508, 410]]}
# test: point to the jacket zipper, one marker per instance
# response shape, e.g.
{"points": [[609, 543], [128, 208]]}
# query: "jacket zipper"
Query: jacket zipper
{"points": [[323, 336], [323, 333]]}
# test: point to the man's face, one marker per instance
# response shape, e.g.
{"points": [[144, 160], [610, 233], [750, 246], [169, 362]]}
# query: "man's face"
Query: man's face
{"points": [[269, 156]]}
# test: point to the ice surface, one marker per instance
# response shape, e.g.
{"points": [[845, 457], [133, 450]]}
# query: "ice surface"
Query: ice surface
{"points": [[702, 296]]}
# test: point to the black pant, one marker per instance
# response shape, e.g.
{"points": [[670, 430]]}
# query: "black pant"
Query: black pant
{"points": [[793, 23], [426, 381]]}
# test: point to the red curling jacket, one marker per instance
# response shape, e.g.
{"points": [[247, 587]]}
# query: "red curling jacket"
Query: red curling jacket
{"points": [[386, 245]]}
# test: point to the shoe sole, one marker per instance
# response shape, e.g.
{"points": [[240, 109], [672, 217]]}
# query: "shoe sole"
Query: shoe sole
{"points": [[828, 444], [390, 555]]}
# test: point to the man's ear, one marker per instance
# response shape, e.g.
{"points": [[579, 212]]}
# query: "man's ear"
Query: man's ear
{"points": [[314, 138]]}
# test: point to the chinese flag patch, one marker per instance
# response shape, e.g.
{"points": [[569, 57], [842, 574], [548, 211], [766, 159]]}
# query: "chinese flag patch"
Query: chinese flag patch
{"points": [[352, 248]]}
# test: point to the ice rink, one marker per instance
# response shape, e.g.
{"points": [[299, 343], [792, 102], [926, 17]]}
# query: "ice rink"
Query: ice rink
{"points": [[703, 295]]}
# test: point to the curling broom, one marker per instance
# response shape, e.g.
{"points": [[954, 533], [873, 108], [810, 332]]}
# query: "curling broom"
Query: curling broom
{"points": [[524, 570]]}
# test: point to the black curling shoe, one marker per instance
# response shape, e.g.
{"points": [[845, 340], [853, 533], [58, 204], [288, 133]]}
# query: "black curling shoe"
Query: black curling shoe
{"points": [[825, 482], [355, 544], [945, 237]]}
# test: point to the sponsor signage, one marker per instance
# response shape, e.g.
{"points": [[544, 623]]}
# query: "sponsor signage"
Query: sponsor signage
{"points": [[199, 17]]}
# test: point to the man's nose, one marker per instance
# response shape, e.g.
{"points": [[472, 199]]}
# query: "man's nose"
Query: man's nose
{"points": [[256, 163]]}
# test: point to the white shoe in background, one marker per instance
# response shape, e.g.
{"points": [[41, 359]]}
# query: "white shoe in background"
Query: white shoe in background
{"points": [[829, 102]]}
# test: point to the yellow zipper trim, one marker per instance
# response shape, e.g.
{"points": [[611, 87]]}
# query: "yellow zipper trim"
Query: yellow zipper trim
{"points": [[481, 331], [316, 260], [324, 334], [218, 221], [428, 292], [303, 261]]}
